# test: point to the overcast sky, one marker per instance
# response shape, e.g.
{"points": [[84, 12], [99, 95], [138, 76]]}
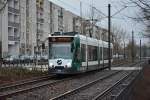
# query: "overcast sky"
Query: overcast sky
{"points": [[120, 20]]}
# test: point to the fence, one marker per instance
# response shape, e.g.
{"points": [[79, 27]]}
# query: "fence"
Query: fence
{"points": [[29, 64]]}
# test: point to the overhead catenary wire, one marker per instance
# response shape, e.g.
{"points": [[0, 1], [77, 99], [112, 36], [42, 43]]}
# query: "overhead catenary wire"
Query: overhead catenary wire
{"points": [[68, 5], [97, 10], [89, 5], [120, 18], [119, 11], [103, 16]]}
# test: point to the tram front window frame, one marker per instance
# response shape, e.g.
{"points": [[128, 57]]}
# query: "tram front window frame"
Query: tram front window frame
{"points": [[60, 50]]}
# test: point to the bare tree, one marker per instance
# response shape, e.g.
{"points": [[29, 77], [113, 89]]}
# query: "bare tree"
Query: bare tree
{"points": [[144, 14], [119, 40], [116, 37], [3, 4]]}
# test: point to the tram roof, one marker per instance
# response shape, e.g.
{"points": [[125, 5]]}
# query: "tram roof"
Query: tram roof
{"points": [[76, 34]]}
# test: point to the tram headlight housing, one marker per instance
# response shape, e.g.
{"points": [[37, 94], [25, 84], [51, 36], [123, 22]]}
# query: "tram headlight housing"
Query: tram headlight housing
{"points": [[51, 64], [69, 64]]}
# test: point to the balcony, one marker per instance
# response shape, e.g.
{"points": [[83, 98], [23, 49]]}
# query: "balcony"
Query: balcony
{"points": [[40, 9], [13, 38], [16, 0], [13, 24], [40, 20], [40, 31], [13, 10]]}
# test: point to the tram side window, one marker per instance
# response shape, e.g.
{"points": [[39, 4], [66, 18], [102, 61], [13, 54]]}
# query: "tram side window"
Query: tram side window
{"points": [[78, 54], [83, 52], [100, 53], [95, 53], [92, 53], [50, 54], [105, 51], [89, 53], [111, 53]]}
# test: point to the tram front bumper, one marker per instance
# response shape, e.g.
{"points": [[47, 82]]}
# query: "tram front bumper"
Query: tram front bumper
{"points": [[63, 71]]}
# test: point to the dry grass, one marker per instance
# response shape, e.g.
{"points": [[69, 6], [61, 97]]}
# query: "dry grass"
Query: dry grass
{"points": [[9, 74], [116, 61]]}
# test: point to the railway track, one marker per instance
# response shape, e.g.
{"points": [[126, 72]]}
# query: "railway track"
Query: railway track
{"points": [[115, 90], [21, 87], [22, 82], [81, 92], [7, 91], [73, 91], [126, 64], [29, 85], [32, 80]]}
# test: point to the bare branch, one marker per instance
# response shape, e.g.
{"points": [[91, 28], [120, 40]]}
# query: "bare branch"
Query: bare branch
{"points": [[144, 3], [4, 5]]}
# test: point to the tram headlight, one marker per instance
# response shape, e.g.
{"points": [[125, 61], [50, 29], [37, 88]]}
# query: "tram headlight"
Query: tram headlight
{"points": [[69, 64], [51, 64]]}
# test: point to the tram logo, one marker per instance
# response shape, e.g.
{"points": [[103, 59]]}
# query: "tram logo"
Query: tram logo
{"points": [[59, 62]]}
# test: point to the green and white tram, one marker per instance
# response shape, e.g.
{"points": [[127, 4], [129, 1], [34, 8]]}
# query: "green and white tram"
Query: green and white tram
{"points": [[71, 53]]}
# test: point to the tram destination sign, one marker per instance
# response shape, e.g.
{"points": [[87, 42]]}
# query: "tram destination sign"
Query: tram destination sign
{"points": [[60, 39]]}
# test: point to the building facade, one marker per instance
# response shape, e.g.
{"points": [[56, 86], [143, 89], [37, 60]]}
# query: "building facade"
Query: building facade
{"points": [[26, 24]]}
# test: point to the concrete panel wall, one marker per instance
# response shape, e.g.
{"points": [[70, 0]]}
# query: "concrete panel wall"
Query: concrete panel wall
{"points": [[23, 26], [53, 22], [46, 19], [32, 25], [4, 30]]}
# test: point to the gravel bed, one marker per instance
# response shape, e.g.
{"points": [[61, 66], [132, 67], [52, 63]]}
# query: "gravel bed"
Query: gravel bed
{"points": [[123, 84], [91, 92], [24, 83], [51, 91], [136, 63], [26, 86], [128, 80]]}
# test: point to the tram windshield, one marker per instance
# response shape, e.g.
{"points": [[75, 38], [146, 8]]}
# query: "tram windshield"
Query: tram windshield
{"points": [[60, 50]]}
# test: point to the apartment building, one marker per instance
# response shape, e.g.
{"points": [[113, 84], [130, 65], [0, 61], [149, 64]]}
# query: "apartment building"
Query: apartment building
{"points": [[26, 24], [10, 27], [50, 18], [69, 21]]}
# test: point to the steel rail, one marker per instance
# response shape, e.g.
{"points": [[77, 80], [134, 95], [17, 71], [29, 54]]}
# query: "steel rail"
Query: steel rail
{"points": [[61, 96], [108, 90], [24, 82], [6, 94], [21, 90], [126, 86]]}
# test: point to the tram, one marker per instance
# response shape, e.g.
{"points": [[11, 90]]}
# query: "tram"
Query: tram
{"points": [[71, 53]]}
